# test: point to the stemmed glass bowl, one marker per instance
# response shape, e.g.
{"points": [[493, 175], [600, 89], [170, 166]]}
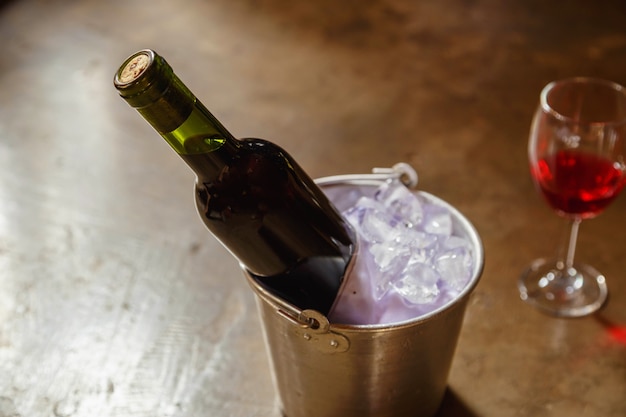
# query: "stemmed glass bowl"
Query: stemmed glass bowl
{"points": [[577, 154]]}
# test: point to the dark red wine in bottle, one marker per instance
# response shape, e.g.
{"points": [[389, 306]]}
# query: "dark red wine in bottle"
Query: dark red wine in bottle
{"points": [[250, 193]]}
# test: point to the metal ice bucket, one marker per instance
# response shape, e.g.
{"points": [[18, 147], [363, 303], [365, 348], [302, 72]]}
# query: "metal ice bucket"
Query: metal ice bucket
{"points": [[330, 370]]}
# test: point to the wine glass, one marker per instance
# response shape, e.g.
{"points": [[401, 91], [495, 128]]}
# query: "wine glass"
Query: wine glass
{"points": [[577, 156]]}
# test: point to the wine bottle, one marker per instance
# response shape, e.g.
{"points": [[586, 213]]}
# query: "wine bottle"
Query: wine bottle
{"points": [[250, 193]]}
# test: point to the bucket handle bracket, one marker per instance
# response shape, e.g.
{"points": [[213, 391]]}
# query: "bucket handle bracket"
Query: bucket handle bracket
{"points": [[313, 327]]}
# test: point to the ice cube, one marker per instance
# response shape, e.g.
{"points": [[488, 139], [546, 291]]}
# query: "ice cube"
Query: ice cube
{"points": [[421, 245], [400, 202], [356, 213], [389, 260], [418, 284], [454, 266], [437, 220], [456, 242], [387, 255], [379, 225]]}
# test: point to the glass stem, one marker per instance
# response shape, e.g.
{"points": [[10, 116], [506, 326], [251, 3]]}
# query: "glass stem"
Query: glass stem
{"points": [[571, 245]]}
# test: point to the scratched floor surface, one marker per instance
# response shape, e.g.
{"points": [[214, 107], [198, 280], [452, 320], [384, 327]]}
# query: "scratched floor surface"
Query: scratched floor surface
{"points": [[114, 300]]}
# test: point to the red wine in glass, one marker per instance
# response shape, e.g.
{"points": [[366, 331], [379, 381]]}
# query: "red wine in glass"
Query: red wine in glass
{"points": [[577, 154], [578, 183]]}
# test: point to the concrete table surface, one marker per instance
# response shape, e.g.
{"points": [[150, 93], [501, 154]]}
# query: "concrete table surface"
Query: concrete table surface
{"points": [[114, 299]]}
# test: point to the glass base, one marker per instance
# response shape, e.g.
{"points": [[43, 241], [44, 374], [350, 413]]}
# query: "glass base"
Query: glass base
{"points": [[563, 292]]}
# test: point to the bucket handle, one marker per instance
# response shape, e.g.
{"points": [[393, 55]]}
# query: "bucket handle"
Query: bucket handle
{"points": [[400, 171], [313, 327]]}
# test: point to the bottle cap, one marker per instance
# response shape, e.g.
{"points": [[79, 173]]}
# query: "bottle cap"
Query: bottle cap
{"points": [[143, 78], [133, 68]]}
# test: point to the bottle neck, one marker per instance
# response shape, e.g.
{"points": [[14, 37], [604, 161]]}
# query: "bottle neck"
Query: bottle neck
{"points": [[203, 143], [148, 83], [200, 133]]}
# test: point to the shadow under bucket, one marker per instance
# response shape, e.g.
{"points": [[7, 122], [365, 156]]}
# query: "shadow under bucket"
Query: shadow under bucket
{"points": [[332, 370]]}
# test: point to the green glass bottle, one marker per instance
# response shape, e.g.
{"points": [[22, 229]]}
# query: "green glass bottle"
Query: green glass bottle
{"points": [[251, 194]]}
